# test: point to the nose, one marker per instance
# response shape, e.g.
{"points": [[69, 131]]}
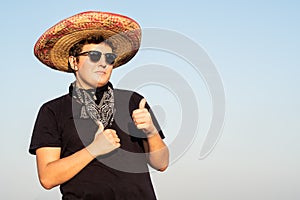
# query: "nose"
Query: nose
{"points": [[102, 62]]}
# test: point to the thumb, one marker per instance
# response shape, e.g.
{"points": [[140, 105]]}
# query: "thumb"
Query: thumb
{"points": [[142, 103], [101, 127]]}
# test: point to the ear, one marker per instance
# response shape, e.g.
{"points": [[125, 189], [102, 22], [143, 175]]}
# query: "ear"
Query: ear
{"points": [[73, 63]]}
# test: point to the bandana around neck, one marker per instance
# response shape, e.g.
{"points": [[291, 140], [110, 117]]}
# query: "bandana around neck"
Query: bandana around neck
{"points": [[97, 104]]}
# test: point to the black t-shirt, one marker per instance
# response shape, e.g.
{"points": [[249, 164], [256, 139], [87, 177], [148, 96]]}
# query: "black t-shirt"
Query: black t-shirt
{"points": [[121, 174]]}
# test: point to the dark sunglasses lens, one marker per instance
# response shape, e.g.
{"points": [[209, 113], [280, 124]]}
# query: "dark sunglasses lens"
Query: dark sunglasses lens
{"points": [[95, 56], [110, 58]]}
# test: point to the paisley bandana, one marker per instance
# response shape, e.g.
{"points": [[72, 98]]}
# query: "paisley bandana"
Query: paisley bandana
{"points": [[97, 104]]}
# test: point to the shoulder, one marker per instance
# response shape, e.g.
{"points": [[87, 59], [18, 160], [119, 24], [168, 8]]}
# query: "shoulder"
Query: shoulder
{"points": [[127, 99], [128, 94], [56, 104]]}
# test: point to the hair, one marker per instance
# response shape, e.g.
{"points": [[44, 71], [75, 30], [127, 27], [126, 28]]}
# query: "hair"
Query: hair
{"points": [[93, 39]]}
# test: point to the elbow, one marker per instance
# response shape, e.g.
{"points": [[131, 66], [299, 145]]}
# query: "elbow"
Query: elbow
{"points": [[162, 164], [159, 160], [163, 168], [47, 187], [165, 162], [158, 167], [46, 183]]}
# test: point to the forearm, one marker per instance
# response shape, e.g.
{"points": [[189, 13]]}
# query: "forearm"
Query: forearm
{"points": [[61, 170], [158, 153], [54, 170]]}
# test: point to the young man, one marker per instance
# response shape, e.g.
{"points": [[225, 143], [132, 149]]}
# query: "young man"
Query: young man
{"points": [[96, 141]]}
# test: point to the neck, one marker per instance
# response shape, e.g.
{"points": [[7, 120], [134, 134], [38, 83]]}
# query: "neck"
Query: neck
{"points": [[87, 87]]}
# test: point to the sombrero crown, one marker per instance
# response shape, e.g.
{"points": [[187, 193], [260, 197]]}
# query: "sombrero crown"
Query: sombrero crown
{"points": [[52, 48]]}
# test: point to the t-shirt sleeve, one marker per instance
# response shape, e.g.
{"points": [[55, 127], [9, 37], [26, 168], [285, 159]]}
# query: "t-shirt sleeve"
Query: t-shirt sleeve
{"points": [[45, 132]]}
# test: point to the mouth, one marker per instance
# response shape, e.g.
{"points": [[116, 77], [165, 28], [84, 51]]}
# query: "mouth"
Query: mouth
{"points": [[100, 72]]}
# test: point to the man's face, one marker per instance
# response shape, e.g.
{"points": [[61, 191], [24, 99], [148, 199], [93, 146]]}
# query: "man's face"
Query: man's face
{"points": [[93, 74]]}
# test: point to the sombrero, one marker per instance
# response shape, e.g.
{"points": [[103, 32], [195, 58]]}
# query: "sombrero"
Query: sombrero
{"points": [[52, 48]]}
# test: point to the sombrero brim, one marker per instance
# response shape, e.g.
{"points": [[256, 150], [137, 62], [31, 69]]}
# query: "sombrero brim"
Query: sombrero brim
{"points": [[52, 48]]}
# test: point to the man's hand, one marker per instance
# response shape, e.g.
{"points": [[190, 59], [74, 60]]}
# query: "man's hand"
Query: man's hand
{"points": [[104, 142], [143, 120]]}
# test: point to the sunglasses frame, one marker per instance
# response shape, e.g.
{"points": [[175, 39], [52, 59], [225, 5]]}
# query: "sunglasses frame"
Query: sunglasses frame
{"points": [[95, 56]]}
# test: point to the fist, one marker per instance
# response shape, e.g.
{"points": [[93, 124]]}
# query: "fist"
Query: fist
{"points": [[104, 142], [143, 120]]}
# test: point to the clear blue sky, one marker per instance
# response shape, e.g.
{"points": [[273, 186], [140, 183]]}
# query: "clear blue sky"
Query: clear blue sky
{"points": [[255, 47]]}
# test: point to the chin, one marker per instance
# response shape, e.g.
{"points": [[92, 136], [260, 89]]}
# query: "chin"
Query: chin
{"points": [[100, 84]]}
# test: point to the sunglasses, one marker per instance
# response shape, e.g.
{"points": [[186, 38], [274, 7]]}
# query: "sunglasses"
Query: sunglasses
{"points": [[96, 55]]}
